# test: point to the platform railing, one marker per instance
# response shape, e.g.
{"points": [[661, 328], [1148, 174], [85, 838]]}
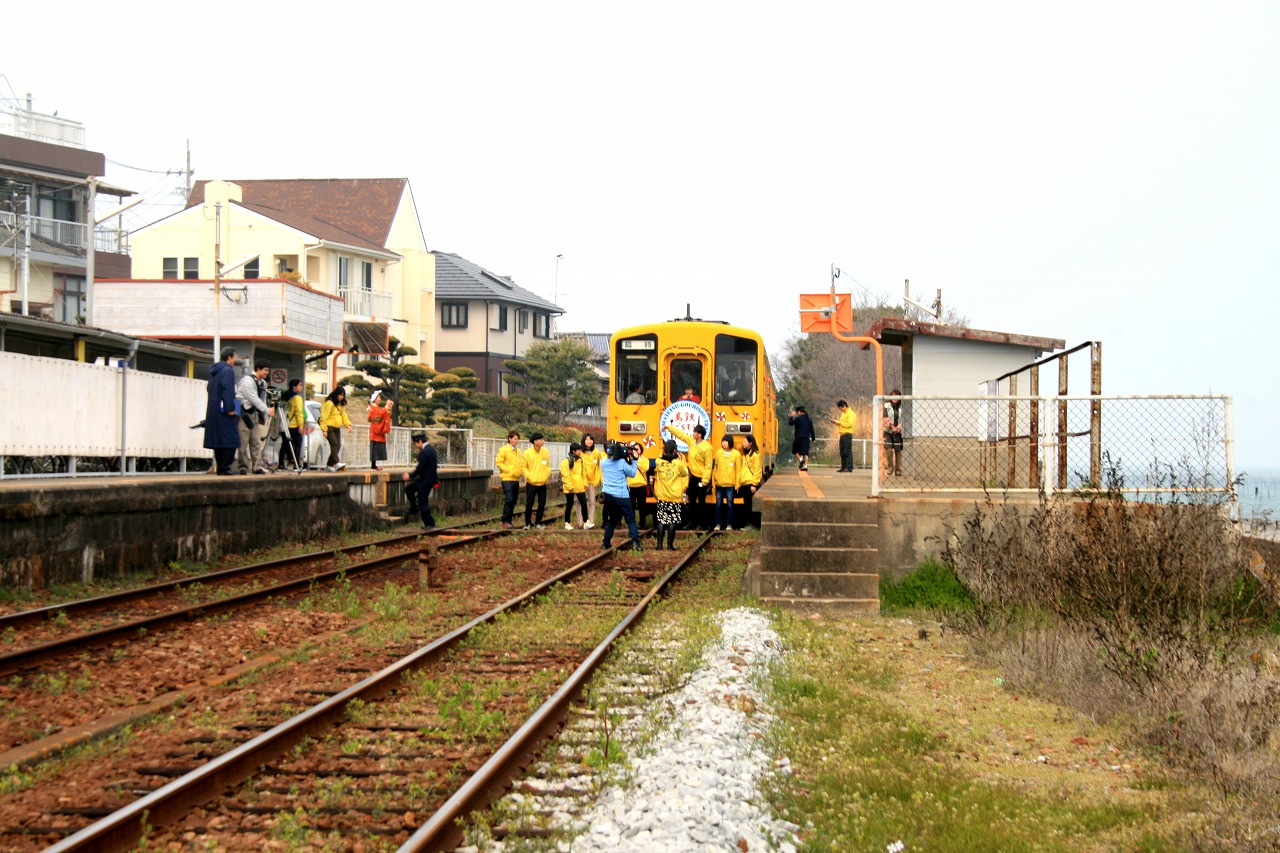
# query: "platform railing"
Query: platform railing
{"points": [[1130, 444]]}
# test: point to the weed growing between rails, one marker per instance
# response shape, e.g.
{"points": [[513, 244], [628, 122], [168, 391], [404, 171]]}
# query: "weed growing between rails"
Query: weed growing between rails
{"points": [[1144, 613]]}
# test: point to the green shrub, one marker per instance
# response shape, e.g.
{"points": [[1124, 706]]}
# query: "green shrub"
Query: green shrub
{"points": [[932, 586]]}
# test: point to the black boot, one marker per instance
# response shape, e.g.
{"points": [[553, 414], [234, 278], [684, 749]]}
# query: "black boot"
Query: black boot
{"points": [[671, 537]]}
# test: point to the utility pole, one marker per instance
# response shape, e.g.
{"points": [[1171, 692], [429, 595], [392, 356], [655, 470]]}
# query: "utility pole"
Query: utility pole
{"points": [[217, 281]]}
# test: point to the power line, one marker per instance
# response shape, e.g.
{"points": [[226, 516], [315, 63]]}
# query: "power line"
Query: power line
{"points": [[138, 169]]}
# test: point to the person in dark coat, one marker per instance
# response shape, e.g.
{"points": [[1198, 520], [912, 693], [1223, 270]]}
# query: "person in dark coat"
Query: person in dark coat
{"points": [[221, 425], [423, 479], [799, 419]]}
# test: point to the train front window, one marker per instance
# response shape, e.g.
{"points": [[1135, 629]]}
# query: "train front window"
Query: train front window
{"points": [[735, 370], [686, 379], [635, 376]]}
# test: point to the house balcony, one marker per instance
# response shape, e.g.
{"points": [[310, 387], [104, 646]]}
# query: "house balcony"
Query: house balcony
{"points": [[56, 234], [373, 304], [262, 309]]}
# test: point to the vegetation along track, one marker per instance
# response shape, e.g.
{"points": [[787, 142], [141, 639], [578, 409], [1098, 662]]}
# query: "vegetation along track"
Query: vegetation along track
{"points": [[387, 764]]}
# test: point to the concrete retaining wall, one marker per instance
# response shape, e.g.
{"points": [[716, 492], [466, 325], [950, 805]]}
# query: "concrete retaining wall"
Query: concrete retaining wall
{"points": [[83, 530]]}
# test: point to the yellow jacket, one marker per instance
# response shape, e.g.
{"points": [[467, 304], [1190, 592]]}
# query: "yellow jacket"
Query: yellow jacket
{"points": [[591, 466], [573, 480], [333, 417], [537, 466], [752, 469], [641, 477], [670, 480], [509, 463], [728, 470], [297, 412], [701, 454], [848, 420]]}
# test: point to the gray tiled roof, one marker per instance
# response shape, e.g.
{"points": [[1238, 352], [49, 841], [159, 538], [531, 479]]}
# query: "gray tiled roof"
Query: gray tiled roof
{"points": [[458, 278], [597, 341]]}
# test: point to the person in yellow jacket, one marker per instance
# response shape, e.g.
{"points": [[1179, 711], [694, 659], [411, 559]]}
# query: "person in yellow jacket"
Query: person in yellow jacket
{"points": [[510, 466], [670, 483], [591, 456], [573, 482], [726, 476], [333, 417], [297, 414], [537, 471], [752, 477], [638, 484], [699, 458], [846, 423]]}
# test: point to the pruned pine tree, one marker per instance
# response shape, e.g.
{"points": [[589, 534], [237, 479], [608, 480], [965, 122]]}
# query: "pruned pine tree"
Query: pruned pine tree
{"points": [[451, 391], [556, 376]]}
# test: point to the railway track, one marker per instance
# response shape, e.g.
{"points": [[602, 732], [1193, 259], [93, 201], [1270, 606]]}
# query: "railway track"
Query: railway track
{"points": [[394, 743], [37, 636]]}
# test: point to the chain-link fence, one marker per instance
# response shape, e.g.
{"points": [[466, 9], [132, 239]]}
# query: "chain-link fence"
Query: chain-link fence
{"points": [[1131, 444], [484, 452]]}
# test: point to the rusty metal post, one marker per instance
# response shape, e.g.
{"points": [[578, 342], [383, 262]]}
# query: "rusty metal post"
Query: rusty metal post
{"points": [[427, 563], [1033, 469], [1062, 424], [1012, 437], [1095, 413]]}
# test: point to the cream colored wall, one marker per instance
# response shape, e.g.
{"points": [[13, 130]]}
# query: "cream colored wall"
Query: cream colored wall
{"points": [[39, 283], [470, 339], [413, 281]]}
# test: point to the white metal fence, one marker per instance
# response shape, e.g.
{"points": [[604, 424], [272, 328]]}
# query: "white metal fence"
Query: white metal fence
{"points": [[1135, 444]]}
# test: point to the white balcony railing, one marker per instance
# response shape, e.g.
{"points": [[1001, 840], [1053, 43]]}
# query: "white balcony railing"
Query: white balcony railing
{"points": [[42, 128], [366, 303], [68, 234]]}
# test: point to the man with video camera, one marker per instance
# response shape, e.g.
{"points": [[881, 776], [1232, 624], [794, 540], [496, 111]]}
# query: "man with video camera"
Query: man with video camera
{"points": [[251, 391], [618, 465]]}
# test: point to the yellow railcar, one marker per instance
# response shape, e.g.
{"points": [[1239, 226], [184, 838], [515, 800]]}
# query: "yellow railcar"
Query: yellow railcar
{"points": [[688, 372]]}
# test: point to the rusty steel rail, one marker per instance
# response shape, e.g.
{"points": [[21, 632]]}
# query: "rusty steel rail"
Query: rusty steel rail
{"points": [[123, 829], [40, 614], [20, 659], [444, 829]]}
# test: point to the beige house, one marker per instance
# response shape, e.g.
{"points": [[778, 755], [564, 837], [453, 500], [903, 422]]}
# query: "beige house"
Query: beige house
{"points": [[355, 239], [484, 319]]}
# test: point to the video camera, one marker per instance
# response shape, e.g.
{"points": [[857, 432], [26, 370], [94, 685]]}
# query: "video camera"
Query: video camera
{"points": [[273, 396], [618, 450]]}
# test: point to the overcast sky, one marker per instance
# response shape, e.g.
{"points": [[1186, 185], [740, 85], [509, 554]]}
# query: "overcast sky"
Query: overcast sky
{"points": [[1079, 170]]}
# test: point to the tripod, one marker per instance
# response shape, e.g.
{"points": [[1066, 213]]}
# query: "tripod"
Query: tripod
{"points": [[280, 426]]}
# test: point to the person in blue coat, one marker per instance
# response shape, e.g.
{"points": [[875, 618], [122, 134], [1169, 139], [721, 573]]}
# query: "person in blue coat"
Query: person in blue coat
{"points": [[616, 468], [221, 423]]}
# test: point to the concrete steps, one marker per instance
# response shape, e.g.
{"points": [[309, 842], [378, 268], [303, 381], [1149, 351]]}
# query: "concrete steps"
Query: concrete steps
{"points": [[818, 555]]}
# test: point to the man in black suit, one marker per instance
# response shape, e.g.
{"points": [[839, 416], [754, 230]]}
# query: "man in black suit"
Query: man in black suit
{"points": [[423, 479]]}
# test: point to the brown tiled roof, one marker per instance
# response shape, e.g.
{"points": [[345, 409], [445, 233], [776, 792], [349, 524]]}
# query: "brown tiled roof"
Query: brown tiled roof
{"points": [[335, 209]]}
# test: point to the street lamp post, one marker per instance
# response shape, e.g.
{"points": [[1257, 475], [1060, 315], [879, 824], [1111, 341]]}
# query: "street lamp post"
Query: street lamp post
{"points": [[555, 294]]}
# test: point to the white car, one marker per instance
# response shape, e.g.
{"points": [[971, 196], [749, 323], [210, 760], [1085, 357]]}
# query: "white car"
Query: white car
{"points": [[315, 446]]}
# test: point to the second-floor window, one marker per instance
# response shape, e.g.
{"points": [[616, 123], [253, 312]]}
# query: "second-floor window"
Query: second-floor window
{"points": [[522, 319], [453, 315], [251, 269], [541, 325], [500, 319], [190, 267], [169, 268], [344, 271], [364, 273]]}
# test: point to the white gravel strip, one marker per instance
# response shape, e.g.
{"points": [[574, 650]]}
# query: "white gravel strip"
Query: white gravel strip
{"points": [[696, 787]]}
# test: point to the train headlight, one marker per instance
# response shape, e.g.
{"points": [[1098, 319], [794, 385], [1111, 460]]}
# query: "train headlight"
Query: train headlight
{"points": [[738, 429], [633, 427]]}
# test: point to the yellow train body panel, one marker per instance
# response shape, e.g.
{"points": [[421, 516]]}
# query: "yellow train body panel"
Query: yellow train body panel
{"points": [[684, 372]]}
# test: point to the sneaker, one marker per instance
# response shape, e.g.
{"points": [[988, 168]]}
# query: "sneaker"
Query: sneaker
{"points": [[527, 527], [568, 526], [261, 471], [539, 527], [635, 546], [506, 525], [339, 466], [588, 525], [330, 468]]}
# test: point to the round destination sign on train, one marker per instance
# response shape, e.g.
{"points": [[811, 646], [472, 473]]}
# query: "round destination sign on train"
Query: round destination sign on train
{"points": [[684, 415]]}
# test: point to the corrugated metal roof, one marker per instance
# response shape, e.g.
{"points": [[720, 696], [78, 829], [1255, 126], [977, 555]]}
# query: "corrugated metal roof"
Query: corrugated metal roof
{"points": [[458, 278], [896, 330]]}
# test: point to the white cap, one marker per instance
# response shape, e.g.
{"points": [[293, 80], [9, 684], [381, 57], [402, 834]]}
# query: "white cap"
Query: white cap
{"points": [[373, 398]]}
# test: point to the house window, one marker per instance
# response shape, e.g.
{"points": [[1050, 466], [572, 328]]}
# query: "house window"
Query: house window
{"points": [[69, 300], [190, 267], [170, 268], [344, 271], [500, 321], [364, 270], [251, 269], [542, 325], [522, 318], [53, 203], [453, 315]]}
